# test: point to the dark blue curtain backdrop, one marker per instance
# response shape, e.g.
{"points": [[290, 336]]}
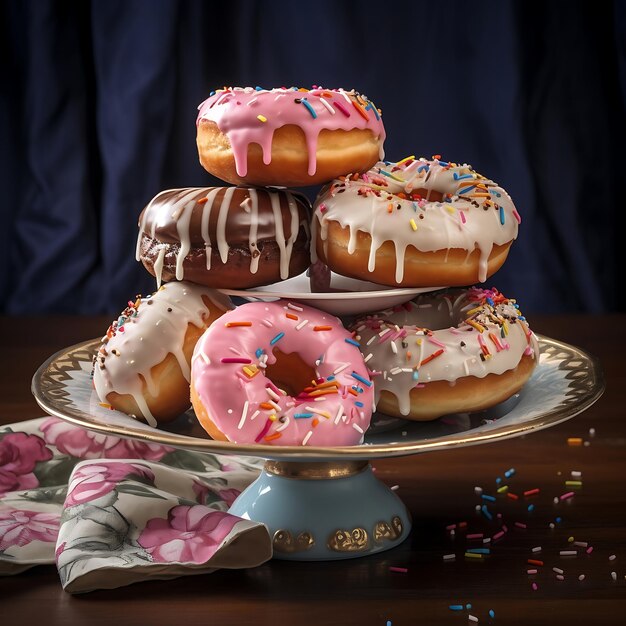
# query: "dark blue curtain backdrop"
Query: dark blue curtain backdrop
{"points": [[99, 104]]}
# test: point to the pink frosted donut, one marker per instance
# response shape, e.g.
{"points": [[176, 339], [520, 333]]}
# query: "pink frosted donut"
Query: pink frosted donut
{"points": [[287, 137], [282, 374]]}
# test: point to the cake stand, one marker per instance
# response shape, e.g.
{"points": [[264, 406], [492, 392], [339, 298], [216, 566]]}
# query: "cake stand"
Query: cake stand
{"points": [[325, 503], [322, 503]]}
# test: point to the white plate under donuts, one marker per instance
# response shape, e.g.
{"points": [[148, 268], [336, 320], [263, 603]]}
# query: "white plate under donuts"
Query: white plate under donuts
{"points": [[347, 296]]}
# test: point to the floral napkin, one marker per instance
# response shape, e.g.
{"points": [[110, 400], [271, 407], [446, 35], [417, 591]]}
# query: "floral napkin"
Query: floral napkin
{"points": [[113, 511]]}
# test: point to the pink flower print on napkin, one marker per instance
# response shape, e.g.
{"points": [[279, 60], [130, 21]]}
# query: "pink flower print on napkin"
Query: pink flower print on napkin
{"points": [[19, 527], [19, 454], [229, 495], [190, 534], [202, 492], [59, 550], [94, 480], [84, 444]]}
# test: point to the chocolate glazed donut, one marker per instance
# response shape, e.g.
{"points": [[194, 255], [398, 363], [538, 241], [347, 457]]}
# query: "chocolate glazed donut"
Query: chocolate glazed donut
{"points": [[225, 237]]}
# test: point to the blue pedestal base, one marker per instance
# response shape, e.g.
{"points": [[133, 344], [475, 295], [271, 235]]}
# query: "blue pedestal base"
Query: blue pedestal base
{"points": [[324, 511]]}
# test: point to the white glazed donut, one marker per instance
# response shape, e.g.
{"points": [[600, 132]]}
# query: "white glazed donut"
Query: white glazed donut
{"points": [[143, 366], [462, 350], [415, 223]]}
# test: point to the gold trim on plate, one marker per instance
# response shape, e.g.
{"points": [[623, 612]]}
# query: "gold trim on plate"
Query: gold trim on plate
{"points": [[585, 384]]}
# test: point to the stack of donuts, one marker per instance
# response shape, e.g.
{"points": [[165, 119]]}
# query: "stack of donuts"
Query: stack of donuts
{"points": [[281, 372]]}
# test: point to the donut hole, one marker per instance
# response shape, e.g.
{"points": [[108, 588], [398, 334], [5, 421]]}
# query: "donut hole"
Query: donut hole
{"points": [[449, 311], [430, 195], [290, 372]]}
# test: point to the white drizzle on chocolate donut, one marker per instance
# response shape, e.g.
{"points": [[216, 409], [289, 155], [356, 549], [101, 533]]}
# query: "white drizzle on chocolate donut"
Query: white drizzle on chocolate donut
{"points": [[234, 222]]}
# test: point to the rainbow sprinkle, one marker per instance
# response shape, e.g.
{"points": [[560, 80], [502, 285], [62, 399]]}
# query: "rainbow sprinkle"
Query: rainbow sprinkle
{"points": [[310, 109]]}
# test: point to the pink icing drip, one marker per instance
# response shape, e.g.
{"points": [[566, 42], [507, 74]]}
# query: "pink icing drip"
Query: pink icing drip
{"points": [[236, 113]]}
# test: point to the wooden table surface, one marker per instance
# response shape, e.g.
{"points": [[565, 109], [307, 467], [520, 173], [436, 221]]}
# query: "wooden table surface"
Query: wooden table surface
{"points": [[438, 489]]}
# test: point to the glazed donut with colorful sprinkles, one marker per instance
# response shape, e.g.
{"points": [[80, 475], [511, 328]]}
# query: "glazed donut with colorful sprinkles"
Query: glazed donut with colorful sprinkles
{"points": [[143, 365], [457, 351], [288, 137], [282, 374], [415, 223]]}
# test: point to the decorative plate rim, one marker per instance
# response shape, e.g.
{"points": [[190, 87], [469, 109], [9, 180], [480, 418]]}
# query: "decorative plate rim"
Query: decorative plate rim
{"points": [[586, 390]]}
